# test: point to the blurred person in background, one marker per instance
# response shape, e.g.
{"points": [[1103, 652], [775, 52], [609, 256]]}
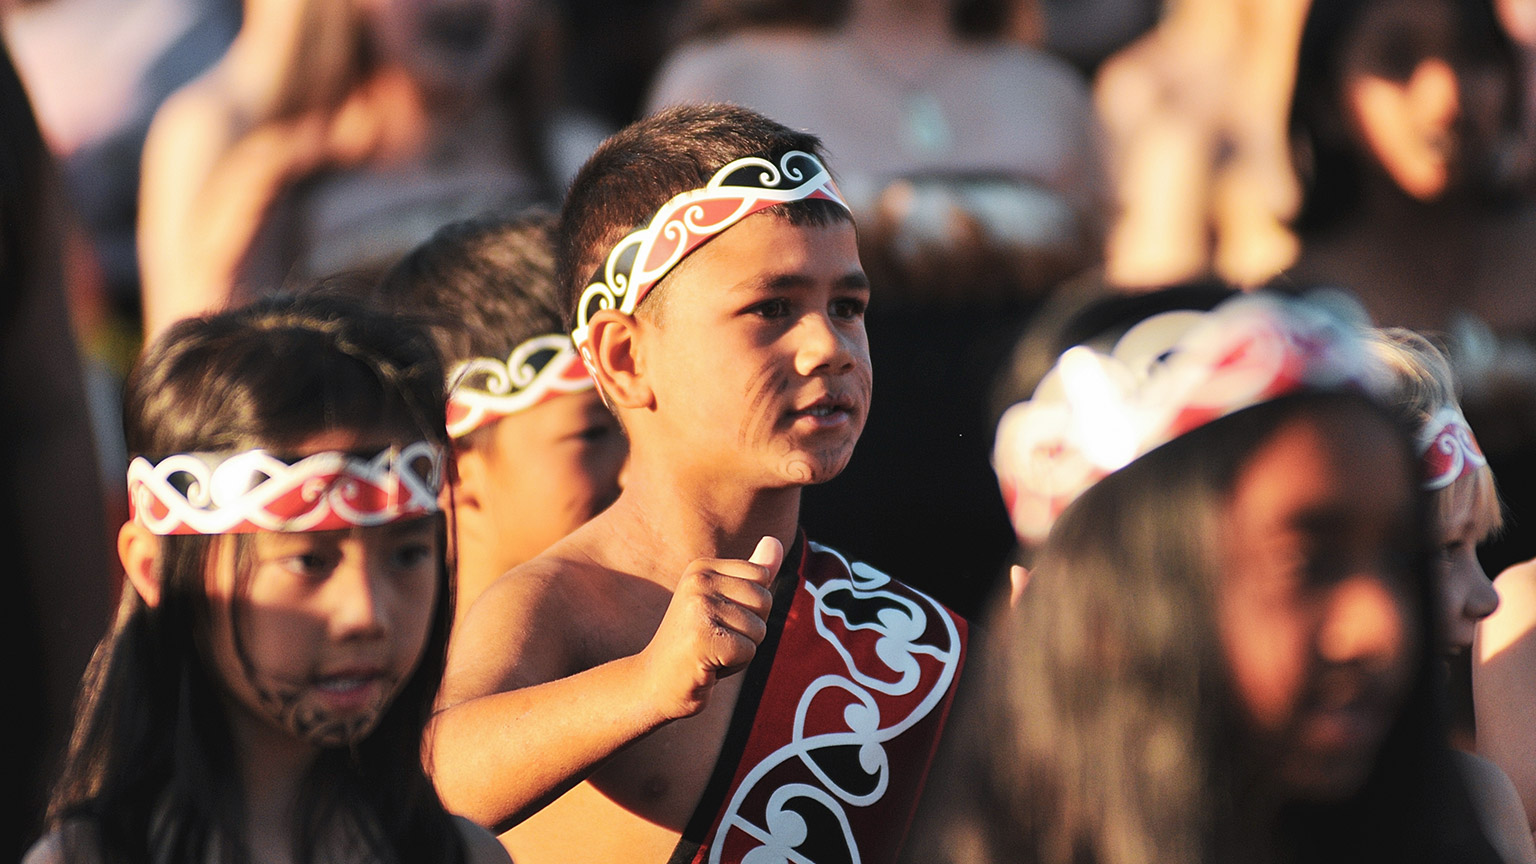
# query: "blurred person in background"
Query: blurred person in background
{"points": [[334, 136], [1504, 682], [1224, 651], [54, 511], [1194, 118], [1405, 129]]}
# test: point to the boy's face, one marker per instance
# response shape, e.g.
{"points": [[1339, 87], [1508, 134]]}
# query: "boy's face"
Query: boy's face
{"points": [[547, 470], [758, 359]]}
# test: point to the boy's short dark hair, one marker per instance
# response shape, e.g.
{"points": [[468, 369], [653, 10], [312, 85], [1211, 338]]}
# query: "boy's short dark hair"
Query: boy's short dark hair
{"points": [[482, 286], [644, 165]]}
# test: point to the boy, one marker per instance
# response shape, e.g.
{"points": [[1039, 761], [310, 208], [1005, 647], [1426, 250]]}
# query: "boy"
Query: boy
{"points": [[537, 453], [673, 701]]}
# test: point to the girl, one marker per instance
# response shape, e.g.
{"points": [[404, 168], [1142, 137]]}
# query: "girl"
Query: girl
{"points": [[1464, 511], [263, 693], [1221, 653]]}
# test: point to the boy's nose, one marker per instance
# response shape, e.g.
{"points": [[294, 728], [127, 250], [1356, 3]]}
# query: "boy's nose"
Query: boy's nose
{"points": [[1364, 623], [821, 347]]}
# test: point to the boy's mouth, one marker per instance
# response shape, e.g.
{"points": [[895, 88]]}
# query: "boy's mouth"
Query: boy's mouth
{"points": [[824, 412]]}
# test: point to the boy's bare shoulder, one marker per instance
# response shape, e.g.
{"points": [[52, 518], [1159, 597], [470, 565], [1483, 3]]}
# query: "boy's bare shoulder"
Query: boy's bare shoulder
{"points": [[529, 626]]}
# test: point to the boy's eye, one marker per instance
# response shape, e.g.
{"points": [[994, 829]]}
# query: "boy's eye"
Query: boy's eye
{"points": [[775, 308], [849, 307]]}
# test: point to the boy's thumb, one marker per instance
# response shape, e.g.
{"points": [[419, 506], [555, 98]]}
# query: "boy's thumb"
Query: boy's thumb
{"points": [[769, 554]]}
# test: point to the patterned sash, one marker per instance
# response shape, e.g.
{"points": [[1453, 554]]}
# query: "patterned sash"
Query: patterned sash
{"points": [[838, 721]]}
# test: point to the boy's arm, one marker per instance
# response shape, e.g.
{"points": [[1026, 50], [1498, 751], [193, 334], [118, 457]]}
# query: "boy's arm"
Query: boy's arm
{"points": [[515, 731]]}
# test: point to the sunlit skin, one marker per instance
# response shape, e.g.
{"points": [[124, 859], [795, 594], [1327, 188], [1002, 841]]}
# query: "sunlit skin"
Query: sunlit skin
{"points": [[528, 480], [744, 377], [785, 305], [326, 628], [1316, 608], [1464, 594]]}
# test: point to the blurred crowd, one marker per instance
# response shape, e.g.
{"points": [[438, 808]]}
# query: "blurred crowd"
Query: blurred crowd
{"points": [[1009, 162]]}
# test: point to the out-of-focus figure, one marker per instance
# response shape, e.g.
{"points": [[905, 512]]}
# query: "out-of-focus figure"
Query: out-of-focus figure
{"points": [[1194, 114], [971, 159], [334, 136], [1504, 682], [1406, 133], [53, 510], [1223, 650]]}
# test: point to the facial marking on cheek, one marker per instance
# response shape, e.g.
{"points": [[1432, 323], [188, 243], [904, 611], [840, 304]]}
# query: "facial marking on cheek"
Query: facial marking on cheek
{"points": [[763, 389]]}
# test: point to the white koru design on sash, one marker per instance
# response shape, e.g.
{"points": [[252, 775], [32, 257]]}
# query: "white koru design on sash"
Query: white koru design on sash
{"points": [[903, 620]]}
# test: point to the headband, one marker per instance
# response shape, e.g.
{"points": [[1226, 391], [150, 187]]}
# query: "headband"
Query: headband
{"points": [[685, 222], [1174, 372], [482, 390], [210, 493], [1448, 448]]}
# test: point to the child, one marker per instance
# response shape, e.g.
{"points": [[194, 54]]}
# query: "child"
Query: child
{"points": [[665, 698], [1464, 511], [536, 452], [264, 690], [1220, 655]]}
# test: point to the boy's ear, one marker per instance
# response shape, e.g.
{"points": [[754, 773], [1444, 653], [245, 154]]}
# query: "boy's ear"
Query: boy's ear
{"points": [[139, 550], [464, 481], [616, 359]]}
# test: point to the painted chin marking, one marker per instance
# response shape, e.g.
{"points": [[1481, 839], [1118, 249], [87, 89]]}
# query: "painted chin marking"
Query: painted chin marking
{"points": [[317, 724]]}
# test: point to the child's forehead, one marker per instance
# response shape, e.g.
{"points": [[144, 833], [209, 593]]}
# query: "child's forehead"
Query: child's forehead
{"points": [[766, 246]]}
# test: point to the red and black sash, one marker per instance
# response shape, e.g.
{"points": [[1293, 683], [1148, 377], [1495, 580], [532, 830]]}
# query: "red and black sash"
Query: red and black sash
{"points": [[837, 722]]}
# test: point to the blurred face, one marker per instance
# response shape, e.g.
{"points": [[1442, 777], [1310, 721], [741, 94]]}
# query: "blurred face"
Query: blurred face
{"points": [[1463, 592], [759, 361], [548, 470], [1316, 599], [1431, 115], [448, 45], [324, 629]]}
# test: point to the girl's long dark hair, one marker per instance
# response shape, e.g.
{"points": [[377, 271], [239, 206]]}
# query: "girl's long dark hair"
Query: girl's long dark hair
{"points": [[1096, 723], [151, 773]]}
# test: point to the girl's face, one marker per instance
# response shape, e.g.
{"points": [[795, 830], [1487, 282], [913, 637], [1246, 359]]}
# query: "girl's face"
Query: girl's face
{"points": [[323, 629], [1316, 606], [1431, 117], [456, 46], [1463, 592]]}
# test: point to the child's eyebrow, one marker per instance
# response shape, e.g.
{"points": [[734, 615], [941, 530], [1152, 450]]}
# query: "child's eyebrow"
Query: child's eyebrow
{"points": [[409, 526], [852, 280]]}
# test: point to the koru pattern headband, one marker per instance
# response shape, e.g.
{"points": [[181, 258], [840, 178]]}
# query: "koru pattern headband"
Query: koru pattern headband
{"points": [[1174, 372], [482, 390], [209, 493], [685, 222], [1448, 448]]}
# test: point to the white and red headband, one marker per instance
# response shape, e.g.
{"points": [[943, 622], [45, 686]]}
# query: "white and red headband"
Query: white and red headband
{"points": [[482, 390], [1448, 449], [203, 493], [1095, 413], [685, 222]]}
